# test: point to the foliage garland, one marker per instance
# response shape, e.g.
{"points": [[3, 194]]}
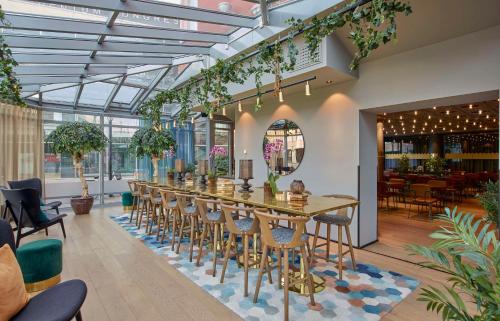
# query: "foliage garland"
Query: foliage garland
{"points": [[371, 25], [10, 90]]}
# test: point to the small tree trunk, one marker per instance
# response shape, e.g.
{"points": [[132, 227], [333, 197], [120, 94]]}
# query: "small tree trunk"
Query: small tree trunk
{"points": [[77, 162], [154, 160]]}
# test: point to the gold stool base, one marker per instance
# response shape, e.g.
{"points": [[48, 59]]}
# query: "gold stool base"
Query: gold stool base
{"points": [[255, 258], [42, 285], [127, 208], [303, 289]]}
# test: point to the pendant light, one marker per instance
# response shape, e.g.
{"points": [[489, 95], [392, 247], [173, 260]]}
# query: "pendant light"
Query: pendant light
{"points": [[240, 109], [308, 89], [192, 120], [211, 115], [224, 110], [280, 96], [174, 123]]}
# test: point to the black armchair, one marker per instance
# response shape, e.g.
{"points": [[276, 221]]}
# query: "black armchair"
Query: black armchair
{"points": [[36, 184], [24, 207], [61, 302]]}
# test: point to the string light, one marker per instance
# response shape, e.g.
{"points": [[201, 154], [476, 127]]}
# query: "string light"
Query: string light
{"points": [[414, 120], [467, 120], [389, 121], [400, 117], [240, 108], [308, 89]]}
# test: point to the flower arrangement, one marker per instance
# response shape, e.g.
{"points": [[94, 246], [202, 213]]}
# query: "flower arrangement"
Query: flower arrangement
{"points": [[217, 153], [271, 153]]}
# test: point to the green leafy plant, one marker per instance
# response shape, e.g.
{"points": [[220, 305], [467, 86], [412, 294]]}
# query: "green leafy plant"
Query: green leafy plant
{"points": [[404, 164], [10, 90], [77, 139], [211, 174], [470, 255], [434, 164], [371, 25], [272, 178], [191, 168], [489, 201]]}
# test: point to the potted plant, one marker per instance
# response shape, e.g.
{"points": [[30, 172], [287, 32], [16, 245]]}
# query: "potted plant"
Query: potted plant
{"points": [[152, 142], [468, 252], [434, 164], [272, 151], [404, 164], [190, 169], [171, 174], [217, 153], [489, 201], [78, 139]]}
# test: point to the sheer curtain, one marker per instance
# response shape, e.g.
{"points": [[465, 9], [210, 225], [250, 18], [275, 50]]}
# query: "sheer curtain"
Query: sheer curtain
{"points": [[21, 145]]}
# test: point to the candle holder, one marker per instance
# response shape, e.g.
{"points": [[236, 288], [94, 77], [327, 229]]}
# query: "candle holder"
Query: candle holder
{"points": [[202, 171], [179, 167], [246, 173]]}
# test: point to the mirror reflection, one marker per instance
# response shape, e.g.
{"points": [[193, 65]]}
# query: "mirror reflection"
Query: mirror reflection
{"points": [[283, 147]]}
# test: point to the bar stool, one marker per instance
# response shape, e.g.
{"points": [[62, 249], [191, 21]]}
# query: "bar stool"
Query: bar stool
{"points": [[189, 214], [244, 228], [132, 185], [213, 219], [156, 208], [169, 211], [143, 202], [283, 239], [341, 219]]}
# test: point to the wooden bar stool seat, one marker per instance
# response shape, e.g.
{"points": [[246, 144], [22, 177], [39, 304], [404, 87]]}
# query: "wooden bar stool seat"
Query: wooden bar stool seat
{"points": [[132, 185], [342, 219], [189, 217], [170, 212], [282, 240]]}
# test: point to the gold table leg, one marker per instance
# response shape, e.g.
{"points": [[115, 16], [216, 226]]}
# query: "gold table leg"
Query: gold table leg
{"points": [[301, 288]]}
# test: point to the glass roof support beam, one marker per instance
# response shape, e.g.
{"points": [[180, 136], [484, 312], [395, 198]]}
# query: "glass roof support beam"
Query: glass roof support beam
{"points": [[144, 95], [40, 80], [51, 24], [264, 13], [37, 42], [113, 93], [67, 70], [163, 10], [77, 96], [85, 59]]}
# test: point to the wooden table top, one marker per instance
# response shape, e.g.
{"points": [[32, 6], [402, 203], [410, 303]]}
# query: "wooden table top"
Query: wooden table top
{"points": [[226, 190]]}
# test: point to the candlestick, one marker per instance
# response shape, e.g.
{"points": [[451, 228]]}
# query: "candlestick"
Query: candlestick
{"points": [[246, 173], [179, 167], [202, 171]]}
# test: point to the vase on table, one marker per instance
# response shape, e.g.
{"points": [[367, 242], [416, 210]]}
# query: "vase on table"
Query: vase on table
{"points": [[268, 191], [297, 187], [212, 182]]}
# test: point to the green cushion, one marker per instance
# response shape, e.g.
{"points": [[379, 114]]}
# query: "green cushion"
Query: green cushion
{"points": [[40, 260], [42, 218], [127, 199]]}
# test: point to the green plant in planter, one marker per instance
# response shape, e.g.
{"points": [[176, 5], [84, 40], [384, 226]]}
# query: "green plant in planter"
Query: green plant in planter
{"points": [[489, 201], [10, 90], [152, 142], [434, 164], [404, 164], [470, 255], [272, 178], [78, 139]]}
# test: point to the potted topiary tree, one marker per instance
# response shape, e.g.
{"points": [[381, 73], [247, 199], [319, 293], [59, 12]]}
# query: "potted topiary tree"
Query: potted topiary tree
{"points": [[152, 142], [78, 139]]}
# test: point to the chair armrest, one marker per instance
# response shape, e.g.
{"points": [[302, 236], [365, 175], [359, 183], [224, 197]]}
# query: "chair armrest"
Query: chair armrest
{"points": [[54, 204]]}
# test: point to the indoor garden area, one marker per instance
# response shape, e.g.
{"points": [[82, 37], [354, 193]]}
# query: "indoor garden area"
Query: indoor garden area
{"points": [[249, 160]]}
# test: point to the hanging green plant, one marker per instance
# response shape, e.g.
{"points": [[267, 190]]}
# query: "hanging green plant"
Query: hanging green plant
{"points": [[371, 25], [10, 90]]}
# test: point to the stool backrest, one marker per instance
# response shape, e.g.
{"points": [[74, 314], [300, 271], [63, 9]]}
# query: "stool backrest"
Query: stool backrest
{"points": [[167, 196], [267, 220], [203, 203], [228, 209], [183, 200], [345, 211]]}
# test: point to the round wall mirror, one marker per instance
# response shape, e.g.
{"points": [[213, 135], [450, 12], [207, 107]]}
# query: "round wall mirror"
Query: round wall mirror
{"points": [[283, 147]]}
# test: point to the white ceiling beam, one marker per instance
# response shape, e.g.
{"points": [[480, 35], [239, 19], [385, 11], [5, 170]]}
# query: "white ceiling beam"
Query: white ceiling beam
{"points": [[85, 59], [144, 95], [36, 42], [27, 70], [52, 24], [113, 93], [163, 10], [33, 80]]}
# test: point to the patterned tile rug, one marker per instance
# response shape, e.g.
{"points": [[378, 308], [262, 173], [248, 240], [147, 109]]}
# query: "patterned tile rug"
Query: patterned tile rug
{"points": [[363, 295]]}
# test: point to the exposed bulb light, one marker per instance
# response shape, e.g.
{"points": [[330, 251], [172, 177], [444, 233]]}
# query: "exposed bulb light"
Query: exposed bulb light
{"points": [[414, 120], [449, 124], [458, 126], [240, 108], [465, 128], [385, 114], [224, 110], [425, 124], [494, 119], [485, 128], [432, 130], [280, 96], [435, 126], [308, 89], [474, 123]]}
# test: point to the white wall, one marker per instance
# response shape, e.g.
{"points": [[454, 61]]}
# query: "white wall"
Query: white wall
{"points": [[330, 117]]}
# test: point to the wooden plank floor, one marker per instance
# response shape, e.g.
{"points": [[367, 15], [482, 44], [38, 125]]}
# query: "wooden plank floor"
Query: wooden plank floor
{"points": [[127, 281]]}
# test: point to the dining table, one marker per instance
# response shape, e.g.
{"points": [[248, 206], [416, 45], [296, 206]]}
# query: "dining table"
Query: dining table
{"points": [[282, 202]]}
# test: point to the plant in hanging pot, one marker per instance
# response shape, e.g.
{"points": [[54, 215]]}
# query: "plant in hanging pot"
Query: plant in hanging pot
{"points": [[78, 139], [217, 153], [152, 142]]}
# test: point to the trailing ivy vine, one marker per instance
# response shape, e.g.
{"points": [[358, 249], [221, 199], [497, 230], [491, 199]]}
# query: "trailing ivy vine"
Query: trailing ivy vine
{"points": [[10, 90], [371, 25]]}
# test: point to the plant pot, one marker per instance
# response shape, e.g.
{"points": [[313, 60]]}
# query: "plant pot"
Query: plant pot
{"points": [[268, 191], [188, 176], [82, 205], [297, 187], [212, 182], [170, 176]]}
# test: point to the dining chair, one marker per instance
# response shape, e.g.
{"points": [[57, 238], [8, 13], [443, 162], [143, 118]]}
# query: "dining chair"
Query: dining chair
{"points": [[189, 215], [421, 195], [132, 185], [244, 228], [342, 219], [213, 220], [283, 239], [170, 212]]}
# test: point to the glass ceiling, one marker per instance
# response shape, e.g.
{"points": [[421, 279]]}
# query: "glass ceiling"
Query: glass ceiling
{"points": [[67, 55]]}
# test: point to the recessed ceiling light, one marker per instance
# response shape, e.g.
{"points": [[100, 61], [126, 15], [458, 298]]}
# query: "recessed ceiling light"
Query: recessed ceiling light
{"points": [[389, 121], [440, 120], [467, 120], [434, 107], [487, 116], [416, 112], [385, 114], [329, 82], [414, 120], [400, 117], [470, 106], [447, 112], [458, 116], [480, 111]]}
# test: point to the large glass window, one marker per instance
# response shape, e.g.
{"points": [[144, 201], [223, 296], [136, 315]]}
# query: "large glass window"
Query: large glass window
{"points": [[222, 138]]}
